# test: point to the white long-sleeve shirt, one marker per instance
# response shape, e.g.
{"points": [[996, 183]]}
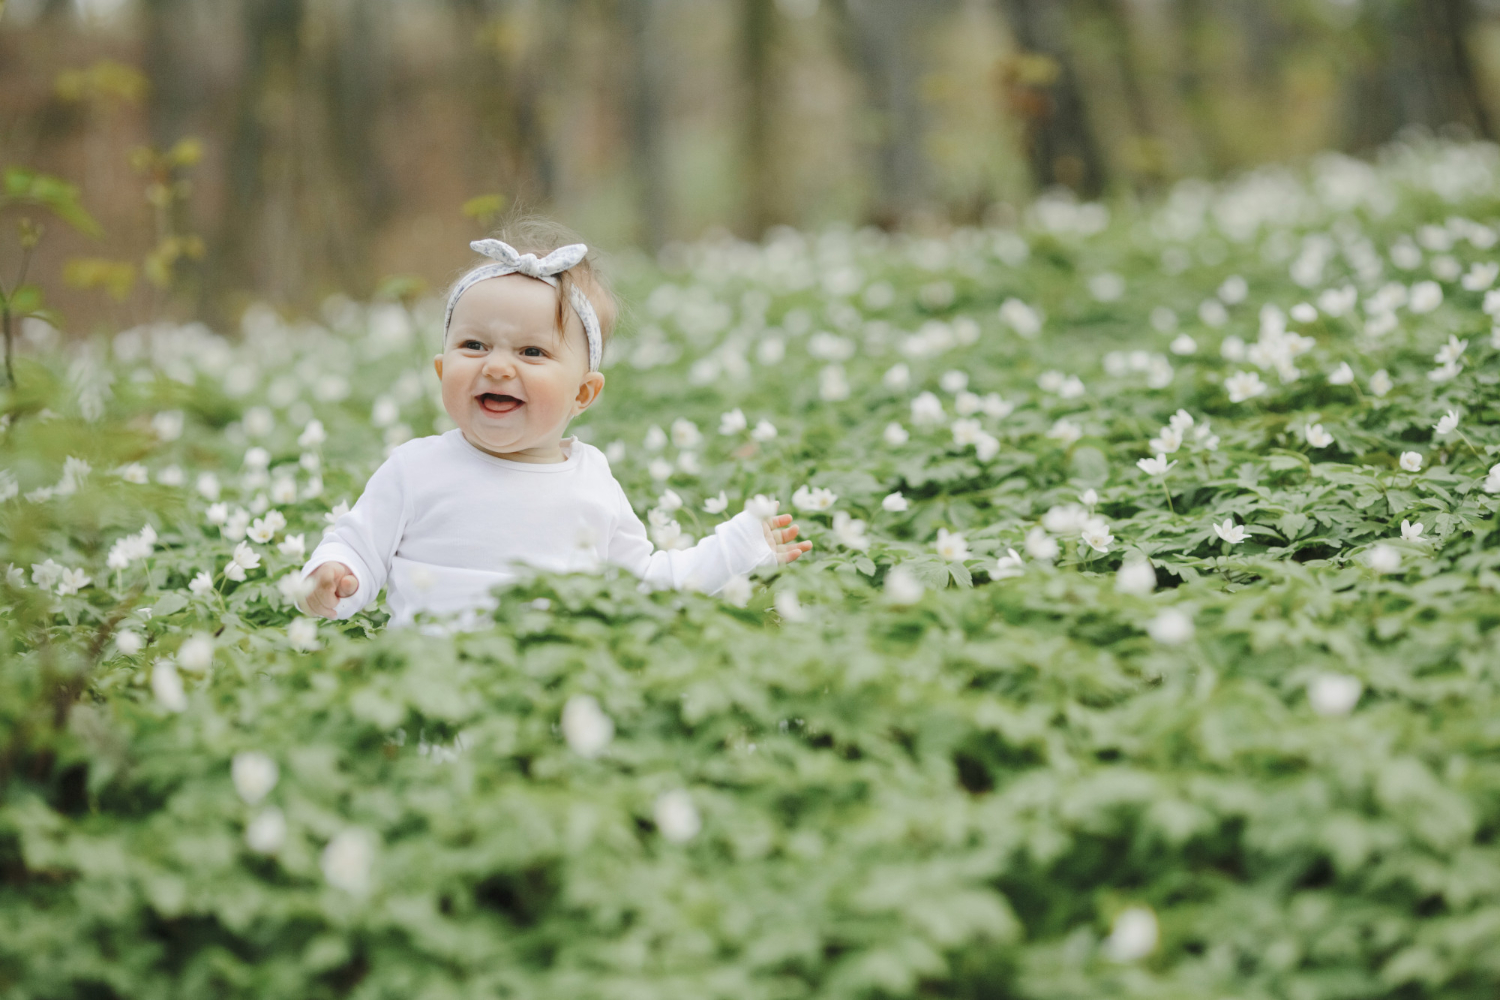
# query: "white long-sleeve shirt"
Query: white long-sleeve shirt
{"points": [[441, 522]]}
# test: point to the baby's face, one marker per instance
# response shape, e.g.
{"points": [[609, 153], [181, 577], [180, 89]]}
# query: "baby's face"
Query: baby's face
{"points": [[511, 380]]}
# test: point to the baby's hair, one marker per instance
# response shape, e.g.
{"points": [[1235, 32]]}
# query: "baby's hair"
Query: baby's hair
{"points": [[530, 233]]}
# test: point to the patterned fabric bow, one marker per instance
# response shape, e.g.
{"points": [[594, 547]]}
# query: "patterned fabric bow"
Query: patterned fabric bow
{"points": [[554, 263], [507, 261]]}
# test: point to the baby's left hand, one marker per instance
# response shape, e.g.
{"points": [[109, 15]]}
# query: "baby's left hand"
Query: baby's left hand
{"points": [[780, 532]]}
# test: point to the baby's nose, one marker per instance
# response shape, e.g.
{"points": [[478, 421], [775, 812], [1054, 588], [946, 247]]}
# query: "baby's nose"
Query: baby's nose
{"points": [[498, 365]]}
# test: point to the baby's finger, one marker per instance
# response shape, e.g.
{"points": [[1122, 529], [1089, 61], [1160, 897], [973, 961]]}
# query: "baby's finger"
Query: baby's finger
{"points": [[348, 585], [792, 553], [787, 534]]}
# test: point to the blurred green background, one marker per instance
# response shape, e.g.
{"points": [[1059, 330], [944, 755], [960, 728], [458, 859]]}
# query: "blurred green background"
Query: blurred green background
{"points": [[286, 149]]}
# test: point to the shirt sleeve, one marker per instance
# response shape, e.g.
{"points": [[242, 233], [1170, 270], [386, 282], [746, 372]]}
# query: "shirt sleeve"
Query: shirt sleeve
{"points": [[366, 537], [737, 546]]}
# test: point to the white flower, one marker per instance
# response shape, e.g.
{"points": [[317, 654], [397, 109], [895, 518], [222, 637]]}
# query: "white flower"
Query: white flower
{"points": [[1065, 519], [1411, 532], [832, 384], [72, 581], [850, 532], [128, 642], [586, 726], [1158, 466], [806, 498], [716, 505], [737, 590], [1233, 290], [135, 472], [994, 406], [1304, 312], [951, 545], [293, 545], [1445, 373], [347, 860], [168, 425], [1380, 383], [1096, 534], [1008, 565], [1066, 431], [897, 377], [1337, 301], [293, 586], [266, 832], [1334, 694], [45, 575], [172, 475], [966, 403], [208, 486], [1425, 297], [196, 654], [1317, 437], [1448, 423], [1384, 559], [1206, 438], [761, 506], [167, 686], [966, 432], [1183, 345], [283, 490], [75, 471], [236, 526], [1136, 577], [1480, 276], [666, 533], [894, 502], [1411, 461], [1172, 627], [1071, 388], [131, 548], [257, 458], [656, 438], [1451, 351], [669, 501], [254, 774], [685, 433], [201, 584], [732, 422], [895, 435], [217, 513], [1230, 532], [926, 409], [788, 607], [1089, 498], [687, 462], [1020, 317], [244, 558], [312, 435], [902, 588], [1167, 441], [302, 634], [660, 469], [1243, 385], [1213, 313], [676, 816], [260, 532], [1040, 545], [1133, 936], [1342, 375]]}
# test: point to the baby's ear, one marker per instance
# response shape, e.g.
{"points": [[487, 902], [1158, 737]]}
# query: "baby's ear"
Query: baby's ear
{"points": [[437, 363], [588, 391]]}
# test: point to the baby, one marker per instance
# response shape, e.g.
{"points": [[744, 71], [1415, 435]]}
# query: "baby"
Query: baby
{"points": [[447, 517]]}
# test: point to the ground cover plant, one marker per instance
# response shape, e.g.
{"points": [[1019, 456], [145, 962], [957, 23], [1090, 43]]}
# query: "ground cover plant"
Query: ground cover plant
{"points": [[1148, 648]]}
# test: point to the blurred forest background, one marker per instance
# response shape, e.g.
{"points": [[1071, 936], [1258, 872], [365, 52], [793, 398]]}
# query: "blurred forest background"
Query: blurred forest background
{"points": [[286, 149]]}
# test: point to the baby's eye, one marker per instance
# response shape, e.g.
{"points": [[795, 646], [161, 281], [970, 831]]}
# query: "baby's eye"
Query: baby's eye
{"points": [[473, 345], [531, 352]]}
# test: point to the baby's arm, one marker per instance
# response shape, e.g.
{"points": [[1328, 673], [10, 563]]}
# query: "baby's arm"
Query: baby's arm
{"points": [[358, 547], [736, 546]]}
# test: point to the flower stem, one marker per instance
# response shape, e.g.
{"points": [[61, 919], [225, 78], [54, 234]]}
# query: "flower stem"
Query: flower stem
{"points": [[1466, 441], [1168, 494]]}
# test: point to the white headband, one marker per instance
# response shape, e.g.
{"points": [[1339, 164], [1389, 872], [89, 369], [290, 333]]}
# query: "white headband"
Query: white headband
{"points": [[507, 261]]}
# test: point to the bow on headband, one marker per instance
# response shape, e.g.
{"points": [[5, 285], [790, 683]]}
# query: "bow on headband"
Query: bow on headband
{"points": [[507, 261]]}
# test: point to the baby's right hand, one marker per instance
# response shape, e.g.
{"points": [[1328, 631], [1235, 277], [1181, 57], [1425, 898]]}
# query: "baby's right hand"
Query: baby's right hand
{"points": [[331, 582]]}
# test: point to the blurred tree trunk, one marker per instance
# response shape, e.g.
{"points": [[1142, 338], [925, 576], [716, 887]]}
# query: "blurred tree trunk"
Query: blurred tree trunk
{"points": [[882, 37], [266, 93], [1416, 70], [1190, 78], [1044, 91], [176, 90], [647, 152], [757, 36], [354, 82], [1143, 156]]}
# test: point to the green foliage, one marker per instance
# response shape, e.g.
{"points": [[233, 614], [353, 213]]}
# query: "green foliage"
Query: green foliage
{"points": [[959, 792]]}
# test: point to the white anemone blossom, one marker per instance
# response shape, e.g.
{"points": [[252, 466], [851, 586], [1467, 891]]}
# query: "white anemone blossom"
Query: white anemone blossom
{"points": [[254, 775], [1008, 565], [894, 502], [1133, 936], [1317, 437], [1096, 534], [1230, 532], [1411, 532], [1411, 461], [1041, 546], [586, 726], [244, 558], [1448, 423], [813, 498], [1334, 694], [1157, 466], [951, 545], [850, 532], [1244, 385], [132, 548]]}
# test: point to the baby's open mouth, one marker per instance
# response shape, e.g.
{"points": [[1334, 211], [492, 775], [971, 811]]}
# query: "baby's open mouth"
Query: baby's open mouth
{"points": [[494, 402]]}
